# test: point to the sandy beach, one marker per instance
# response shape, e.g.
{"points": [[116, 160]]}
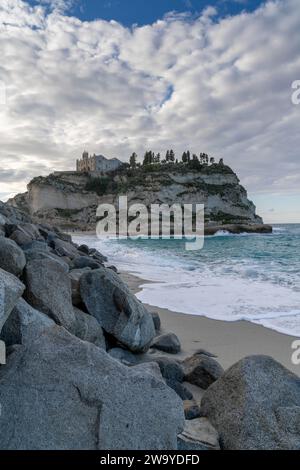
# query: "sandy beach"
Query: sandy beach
{"points": [[230, 341]]}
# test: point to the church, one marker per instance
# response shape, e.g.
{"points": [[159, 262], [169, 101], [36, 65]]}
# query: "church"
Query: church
{"points": [[97, 164]]}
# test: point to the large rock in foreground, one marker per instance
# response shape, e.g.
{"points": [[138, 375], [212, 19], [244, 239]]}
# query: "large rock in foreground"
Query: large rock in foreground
{"points": [[24, 324], [49, 291], [12, 258], [255, 405], [118, 311], [11, 290], [63, 393]]}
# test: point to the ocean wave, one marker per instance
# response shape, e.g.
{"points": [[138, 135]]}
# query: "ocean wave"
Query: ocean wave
{"points": [[207, 284]]}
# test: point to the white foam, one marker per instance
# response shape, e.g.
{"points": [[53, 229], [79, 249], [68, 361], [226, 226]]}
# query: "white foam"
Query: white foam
{"points": [[220, 294]]}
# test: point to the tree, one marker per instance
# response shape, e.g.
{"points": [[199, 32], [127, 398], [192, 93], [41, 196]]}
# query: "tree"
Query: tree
{"points": [[132, 160], [147, 158], [188, 156], [172, 156], [184, 157], [167, 156], [212, 160]]}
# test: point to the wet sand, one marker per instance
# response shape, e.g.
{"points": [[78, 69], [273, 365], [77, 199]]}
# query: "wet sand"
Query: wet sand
{"points": [[230, 341]]}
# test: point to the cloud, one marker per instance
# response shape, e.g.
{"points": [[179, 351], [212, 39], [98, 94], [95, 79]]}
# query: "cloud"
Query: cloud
{"points": [[221, 86]]}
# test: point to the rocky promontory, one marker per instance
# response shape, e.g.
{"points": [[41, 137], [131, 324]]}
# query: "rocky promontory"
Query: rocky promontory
{"points": [[69, 200], [89, 367]]}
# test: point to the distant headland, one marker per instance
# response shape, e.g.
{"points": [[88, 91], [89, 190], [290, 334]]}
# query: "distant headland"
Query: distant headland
{"points": [[69, 199]]}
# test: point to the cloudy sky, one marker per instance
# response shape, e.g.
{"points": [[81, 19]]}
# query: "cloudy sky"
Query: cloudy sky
{"points": [[114, 77]]}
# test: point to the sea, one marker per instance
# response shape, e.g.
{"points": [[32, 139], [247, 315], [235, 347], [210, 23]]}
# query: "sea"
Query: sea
{"points": [[250, 277]]}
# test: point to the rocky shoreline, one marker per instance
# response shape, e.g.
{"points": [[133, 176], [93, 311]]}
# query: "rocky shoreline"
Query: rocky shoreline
{"points": [[237, 229], [89, 368]]}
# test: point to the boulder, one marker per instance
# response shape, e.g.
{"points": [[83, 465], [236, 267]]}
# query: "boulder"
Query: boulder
{"points": [[202, 370], [3, 220], [84, 249], [88, 329], [171, 370], [37, 254], [173, 374], [61, 393], [255, 405], [11, 289], [118, 311], [191, 409], [48, 289], [81, 262], [24, 324], [182, 391], [75, 276], [156, 320], [198, 434], [37, 245], [151, 368], [63, 248], [23, 234], [12, 258], [97, 255], [124, 356], [168, 343], [13, 214]]}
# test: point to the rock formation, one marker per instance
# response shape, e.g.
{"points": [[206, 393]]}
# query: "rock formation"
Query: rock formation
{"points": [[82, 373], [69, 200]]}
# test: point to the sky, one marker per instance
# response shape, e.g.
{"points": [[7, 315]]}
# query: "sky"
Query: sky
{"points": [[117, 76]]}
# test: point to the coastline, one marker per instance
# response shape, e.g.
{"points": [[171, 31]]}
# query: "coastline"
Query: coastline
{"points": [[230, 341]]}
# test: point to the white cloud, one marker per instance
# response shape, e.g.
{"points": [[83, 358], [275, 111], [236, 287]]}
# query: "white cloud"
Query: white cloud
{"points": [[218, 86]]}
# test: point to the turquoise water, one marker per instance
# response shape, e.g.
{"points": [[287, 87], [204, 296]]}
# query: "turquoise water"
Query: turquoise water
{"points": [[253, 277]]}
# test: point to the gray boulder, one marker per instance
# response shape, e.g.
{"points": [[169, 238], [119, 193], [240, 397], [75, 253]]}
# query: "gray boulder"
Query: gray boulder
{"points": [[23, 234], [198, 434], [255, 405], [171, 370], [75, 276], [24, 324], [11, 289], [84, 249], [108, 299], [182, 391], [33, 254], [202, 370], [61, 393], [173, 374], [82, 262], [48, 289], [3, 220], [151, 368], [64, 248], [88, 329], [124, 356], [168, 343], [12, 258], [97, 255]]}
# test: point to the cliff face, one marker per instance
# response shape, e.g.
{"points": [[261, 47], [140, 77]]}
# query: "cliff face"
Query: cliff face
{"points": [[69, 200]]}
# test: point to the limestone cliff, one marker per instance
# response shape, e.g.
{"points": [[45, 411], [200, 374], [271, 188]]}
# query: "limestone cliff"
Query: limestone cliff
{"points": [[70, 199]]}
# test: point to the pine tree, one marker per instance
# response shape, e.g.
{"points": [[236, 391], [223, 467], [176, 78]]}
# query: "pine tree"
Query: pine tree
{"points": [[132, 160], [172, 156]]}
